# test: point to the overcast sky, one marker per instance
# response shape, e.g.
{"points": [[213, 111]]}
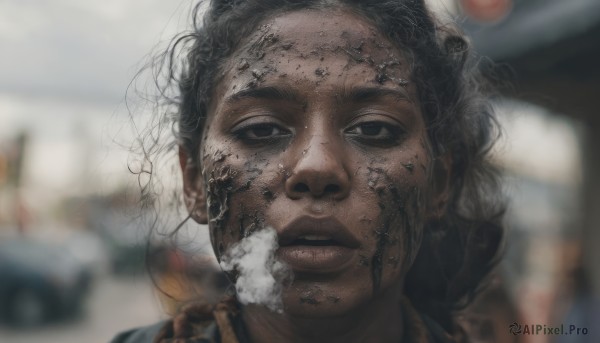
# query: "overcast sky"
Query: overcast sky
{"points": [[64, 69], [79, 50]]}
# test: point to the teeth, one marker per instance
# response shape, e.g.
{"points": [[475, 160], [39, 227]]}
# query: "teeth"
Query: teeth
{"points": [[315, 238]]}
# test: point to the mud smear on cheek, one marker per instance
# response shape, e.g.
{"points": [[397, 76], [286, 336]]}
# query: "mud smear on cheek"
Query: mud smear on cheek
{"points": [[249, 222], [221, 186], [268, 194], [377, 259], [251, 168], [219, 190], [397, 209]]}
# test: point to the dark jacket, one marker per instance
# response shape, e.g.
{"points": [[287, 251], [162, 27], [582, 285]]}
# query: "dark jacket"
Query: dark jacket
{"points": [[138, 335]]}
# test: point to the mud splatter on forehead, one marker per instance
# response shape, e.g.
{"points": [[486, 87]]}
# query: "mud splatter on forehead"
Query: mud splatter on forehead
{"points": [[266, 38], [273, 45]]}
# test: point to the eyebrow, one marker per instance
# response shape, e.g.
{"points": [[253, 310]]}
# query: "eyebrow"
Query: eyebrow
{"points": [[368, 94], [354, 94], [268, 93]]}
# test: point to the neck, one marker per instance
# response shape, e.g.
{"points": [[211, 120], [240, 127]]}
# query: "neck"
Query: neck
{"points": [[379, 321]]}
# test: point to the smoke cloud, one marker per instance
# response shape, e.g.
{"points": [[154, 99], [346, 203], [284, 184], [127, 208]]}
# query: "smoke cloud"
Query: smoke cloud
{"points": [[260, 275]]}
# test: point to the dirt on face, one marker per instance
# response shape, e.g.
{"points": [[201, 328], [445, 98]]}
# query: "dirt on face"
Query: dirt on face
{"points": [[401, 215], [266, 50], [317, 117]]}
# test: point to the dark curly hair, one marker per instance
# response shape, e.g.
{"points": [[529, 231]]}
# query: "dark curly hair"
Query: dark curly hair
{"points": [[461, 247]]}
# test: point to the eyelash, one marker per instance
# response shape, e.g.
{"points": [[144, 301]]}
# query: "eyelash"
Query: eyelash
{"points": [[245, 132], [386, 134]]}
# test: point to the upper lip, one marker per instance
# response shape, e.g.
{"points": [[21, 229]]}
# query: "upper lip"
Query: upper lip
{"points": [[327, 227]]}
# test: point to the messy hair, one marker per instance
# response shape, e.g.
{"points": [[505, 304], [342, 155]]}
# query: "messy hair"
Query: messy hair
{"points": [[460, 247]]}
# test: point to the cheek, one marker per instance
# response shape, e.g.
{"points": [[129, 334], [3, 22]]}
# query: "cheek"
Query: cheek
{"points": [[239, 190], [399, 186]]}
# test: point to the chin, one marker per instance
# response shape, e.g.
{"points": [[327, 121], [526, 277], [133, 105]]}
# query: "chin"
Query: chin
{"points": [[321, 310], [314, 300]]}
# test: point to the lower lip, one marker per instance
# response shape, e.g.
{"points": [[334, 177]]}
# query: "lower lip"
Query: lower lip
{"points": [[316, 259]]}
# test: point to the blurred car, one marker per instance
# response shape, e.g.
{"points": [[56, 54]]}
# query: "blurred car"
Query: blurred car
{"points": [[39, 282], [90, 251]]}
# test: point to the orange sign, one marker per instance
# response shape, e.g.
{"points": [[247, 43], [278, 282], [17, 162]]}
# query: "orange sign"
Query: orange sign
{"points": [[486, 10]]}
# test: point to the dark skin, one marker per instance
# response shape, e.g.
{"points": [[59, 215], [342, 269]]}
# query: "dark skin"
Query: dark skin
{"points": [[315, 115]]}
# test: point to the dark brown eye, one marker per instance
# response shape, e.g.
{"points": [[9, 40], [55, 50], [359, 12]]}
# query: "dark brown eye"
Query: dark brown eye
{"points": [[263, 131], [373, 130], [259, 132], [375, 133]]}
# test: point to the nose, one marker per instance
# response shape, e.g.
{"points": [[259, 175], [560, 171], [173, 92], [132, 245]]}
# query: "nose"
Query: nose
{"points": [[319, 172]]}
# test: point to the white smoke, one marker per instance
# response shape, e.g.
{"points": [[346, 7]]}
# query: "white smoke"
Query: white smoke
{"points": [[260, 275]]}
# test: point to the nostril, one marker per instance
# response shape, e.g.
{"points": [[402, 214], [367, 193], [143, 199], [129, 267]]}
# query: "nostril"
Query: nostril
{"points": [[301, 188], [331, 189]]}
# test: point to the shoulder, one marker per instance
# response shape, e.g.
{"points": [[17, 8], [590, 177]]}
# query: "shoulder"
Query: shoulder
{"points": [[207, 332], [144, 334]]}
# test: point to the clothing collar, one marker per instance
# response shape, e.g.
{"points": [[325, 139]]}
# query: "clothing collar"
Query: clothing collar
{"points": [[200, 322]]}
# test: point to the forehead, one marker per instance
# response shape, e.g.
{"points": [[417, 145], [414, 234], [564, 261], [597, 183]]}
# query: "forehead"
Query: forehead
{"points": [[329, 47], [325, 28], [319, 33]]}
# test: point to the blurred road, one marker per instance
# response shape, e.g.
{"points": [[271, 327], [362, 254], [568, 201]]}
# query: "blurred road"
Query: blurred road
{"points": [[116, 304]]}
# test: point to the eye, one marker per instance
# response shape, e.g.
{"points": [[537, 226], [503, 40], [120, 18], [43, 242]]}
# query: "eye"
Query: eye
{"points": [[375, 131], [371, 130], [261, 132]]}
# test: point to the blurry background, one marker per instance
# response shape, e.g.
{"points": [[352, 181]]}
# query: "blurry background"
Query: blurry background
{"points": [[71, 241]]}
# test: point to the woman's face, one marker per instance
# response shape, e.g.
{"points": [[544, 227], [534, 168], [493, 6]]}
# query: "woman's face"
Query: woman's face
{"points": [[315, 129]]}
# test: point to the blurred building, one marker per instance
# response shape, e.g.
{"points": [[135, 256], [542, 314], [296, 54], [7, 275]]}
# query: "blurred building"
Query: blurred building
{"points": [[550, 50]]}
